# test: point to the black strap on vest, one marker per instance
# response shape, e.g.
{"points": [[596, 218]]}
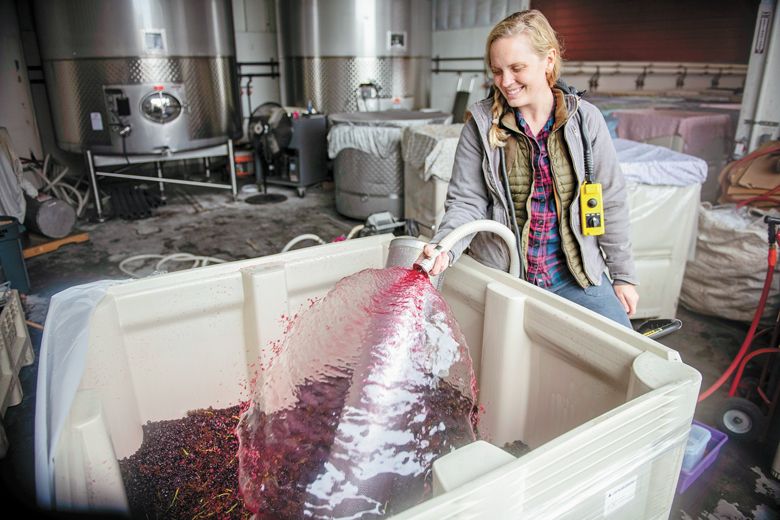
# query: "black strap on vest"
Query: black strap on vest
{"points": [[586, 147], [513, 217]]}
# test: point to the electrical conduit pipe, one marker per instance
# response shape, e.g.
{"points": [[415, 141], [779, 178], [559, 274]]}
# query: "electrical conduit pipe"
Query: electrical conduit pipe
{"points": [[470, 228]]}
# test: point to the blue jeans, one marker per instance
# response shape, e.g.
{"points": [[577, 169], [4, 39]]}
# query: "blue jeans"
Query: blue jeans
{"points": [[598, 298]]}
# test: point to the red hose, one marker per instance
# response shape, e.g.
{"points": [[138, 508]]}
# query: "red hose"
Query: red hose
{"points": [[770, 195], [743, 364], [771, 261]]}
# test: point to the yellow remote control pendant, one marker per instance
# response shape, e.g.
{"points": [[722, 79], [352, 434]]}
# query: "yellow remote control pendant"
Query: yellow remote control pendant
{"points": [[591, 209]]}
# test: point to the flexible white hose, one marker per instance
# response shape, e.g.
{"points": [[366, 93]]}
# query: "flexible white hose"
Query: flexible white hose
{"points": [[81, 200], [60, 189], [355, 230], [198, 261], [301, 238], [62, 194], [178, 257], [130, 259], [45, 177], [45, 167], [473, 227], [59, 177]]}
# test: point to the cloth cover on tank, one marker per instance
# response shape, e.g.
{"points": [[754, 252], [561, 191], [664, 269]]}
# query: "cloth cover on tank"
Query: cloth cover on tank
{"points": [[643, 163], [429, 153], [430, 149], [368, 167]]}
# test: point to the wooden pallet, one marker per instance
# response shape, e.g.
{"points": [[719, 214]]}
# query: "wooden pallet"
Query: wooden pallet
{"points": [[54, 245]]}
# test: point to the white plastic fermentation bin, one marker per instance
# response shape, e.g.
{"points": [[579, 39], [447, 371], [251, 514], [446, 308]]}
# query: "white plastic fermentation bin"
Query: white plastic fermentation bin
{"points": [[605, 411]]}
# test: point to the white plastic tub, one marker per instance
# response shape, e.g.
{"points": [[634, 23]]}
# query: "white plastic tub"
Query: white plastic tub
{"points": [[605, 411], [663, 239]]}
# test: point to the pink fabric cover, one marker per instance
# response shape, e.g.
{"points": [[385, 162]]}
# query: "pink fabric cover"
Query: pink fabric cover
{"points": [[700, 131]]}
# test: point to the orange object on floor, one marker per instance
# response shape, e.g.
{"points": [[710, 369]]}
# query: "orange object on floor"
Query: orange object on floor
{"points": [[54, 245]]}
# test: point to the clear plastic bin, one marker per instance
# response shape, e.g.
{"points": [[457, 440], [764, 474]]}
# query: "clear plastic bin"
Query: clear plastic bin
{"points": [[711, 452], [604, 411], [694, 448]]}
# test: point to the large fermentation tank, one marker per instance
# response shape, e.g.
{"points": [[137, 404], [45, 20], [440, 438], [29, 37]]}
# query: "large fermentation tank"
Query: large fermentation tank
{"points": [[342, 55], [140, 77]]}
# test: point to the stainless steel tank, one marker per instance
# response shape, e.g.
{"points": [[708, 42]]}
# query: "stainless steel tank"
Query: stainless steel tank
{"points": [[140, 77], [341, 53]]}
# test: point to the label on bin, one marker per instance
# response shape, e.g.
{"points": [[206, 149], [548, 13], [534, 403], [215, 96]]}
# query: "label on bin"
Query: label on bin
{"points": [[619, 496], [97, 121]]}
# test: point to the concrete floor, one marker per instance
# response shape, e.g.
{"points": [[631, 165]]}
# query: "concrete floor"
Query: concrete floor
{"points": [[209, 223]]}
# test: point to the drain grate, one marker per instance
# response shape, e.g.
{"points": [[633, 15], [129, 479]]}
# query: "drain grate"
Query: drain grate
{"points": [[132, 202], [265, 198]]}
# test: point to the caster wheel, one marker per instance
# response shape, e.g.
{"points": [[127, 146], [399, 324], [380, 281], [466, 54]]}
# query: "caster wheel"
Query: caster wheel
{"points": [[301, 192], [741, 419]]}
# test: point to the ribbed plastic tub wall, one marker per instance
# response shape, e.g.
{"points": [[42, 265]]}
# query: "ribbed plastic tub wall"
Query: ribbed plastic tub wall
{"points": [[605, 411]]}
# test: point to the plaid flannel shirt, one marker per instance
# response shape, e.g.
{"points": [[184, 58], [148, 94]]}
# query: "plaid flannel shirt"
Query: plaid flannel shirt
{"points": [[546, 262]]}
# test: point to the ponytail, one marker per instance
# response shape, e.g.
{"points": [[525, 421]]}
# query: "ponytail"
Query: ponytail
{"points": [[496, 135]]}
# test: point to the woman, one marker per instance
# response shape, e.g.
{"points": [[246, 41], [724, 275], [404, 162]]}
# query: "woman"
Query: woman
{"points": [[530, 129]]}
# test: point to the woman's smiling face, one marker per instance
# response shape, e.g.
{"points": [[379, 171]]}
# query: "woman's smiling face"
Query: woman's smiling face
{"points": [[518, 72]]}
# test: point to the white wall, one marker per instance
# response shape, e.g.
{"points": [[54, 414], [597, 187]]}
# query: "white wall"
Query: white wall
{"points": [[460, 31], [16, 108], [460, 43], [255, 27]]}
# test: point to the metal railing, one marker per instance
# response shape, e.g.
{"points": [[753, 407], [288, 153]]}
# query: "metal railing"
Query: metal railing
{"points": [[437, 60], [598, 69], [682, 71]]}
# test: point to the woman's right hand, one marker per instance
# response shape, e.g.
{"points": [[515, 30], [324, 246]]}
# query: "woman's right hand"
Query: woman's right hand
{"points": [[441, 263]]}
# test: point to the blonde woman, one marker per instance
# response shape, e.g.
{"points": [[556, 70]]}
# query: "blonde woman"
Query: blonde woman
{"points": [[527, 140]]}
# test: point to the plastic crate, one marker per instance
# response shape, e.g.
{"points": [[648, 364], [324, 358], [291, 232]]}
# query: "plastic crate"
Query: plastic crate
{"points": [[15, 352], [717, 440]]}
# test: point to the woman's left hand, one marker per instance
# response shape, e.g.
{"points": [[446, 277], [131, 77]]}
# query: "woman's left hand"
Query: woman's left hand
{"points": [[628, 296]]}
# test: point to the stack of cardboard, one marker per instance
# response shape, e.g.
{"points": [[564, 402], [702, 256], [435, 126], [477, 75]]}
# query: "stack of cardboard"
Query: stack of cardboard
{"points": [[753, 180]]}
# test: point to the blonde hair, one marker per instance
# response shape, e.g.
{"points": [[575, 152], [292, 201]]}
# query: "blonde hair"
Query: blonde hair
{"points": [[543, 39]]}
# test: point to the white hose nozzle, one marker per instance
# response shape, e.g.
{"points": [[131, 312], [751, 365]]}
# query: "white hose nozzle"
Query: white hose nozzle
{"points": [[426, 264]]}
